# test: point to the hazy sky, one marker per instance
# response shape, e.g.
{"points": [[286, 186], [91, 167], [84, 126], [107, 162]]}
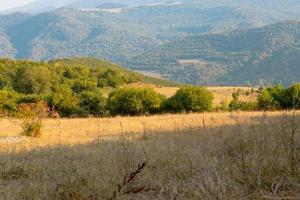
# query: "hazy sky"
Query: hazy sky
{"points": [[7, 4]]}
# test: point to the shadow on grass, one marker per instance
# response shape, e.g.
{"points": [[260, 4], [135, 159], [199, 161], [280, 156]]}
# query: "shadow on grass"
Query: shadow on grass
{"points": [[257, 160]]}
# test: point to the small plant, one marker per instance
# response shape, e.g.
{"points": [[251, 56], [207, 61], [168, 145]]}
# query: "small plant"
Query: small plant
{"points": [[127, 180], [31, 118], [236, 104], [223, 106]]}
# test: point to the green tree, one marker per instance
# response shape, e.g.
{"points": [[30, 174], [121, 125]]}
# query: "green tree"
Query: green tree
{"points": [[292, 96], [8, 101], [92, 103], [278, 97], [266, 101], [32, 79], [83, 84], [190, 99], [110, 78], [134, 101], [75, 72], [5, 77], [65, 102]]}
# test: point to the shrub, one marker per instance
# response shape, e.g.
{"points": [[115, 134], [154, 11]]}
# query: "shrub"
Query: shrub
{"points": [[83, 84], [266, 101], [274, 98], [243, 106], [190, 99], [32, 80], [223, 106], [65, 102], [237, 104], [31, 118], [292, 97], [92, 103], [8, 101], [134, 101], [110, 78]]}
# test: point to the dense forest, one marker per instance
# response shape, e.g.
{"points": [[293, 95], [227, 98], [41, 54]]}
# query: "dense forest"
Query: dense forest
{"points": [[261, 56], [73, 87]]}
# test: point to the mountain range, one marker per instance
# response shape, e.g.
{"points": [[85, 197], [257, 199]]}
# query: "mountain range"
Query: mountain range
{"points": [[266, 55], [207, 42]]}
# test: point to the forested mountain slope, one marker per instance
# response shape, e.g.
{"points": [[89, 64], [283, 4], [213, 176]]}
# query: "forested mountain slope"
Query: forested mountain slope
{"points": [[267, 55], [114, 36]]}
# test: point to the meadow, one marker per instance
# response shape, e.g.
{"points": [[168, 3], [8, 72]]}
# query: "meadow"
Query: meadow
{"points": [[222, 94], [242, 155]]}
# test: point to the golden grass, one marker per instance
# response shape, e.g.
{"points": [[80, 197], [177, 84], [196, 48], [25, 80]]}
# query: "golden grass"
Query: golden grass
{"points": [[79, 131], [221, 94], [86, 159]]}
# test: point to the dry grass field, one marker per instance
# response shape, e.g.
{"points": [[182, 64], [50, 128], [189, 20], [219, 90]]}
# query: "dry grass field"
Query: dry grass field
{"points": [[243, 155], [221, 94]]}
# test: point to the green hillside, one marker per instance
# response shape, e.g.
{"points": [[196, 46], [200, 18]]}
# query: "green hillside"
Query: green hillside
{"points": [[117, 36], [264, 55], [73, 87], [102, 66]]}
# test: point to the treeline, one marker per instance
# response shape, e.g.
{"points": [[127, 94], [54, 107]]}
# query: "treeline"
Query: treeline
{"points": [[279, 97], [74, 87], [269, 99], [71, 89], [138, 101]]}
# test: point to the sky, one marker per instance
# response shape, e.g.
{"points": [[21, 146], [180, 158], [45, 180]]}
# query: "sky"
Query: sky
{"points": [[8, 4]]}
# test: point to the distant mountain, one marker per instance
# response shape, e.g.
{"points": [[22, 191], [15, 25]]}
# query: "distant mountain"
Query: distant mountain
{"points": [[111, 5], [115, 36], [266, 55], [187, 42], [277, 7], [97, 3]]}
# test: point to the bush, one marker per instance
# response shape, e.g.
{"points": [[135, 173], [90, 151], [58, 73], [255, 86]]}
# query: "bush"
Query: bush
{"points": [[8, 101], [92, 103], [32, 80], [274, 98], [31, 118], [189, 99], [237, 104], [110, 78], [292, 97], [134, 101], [266, 101], [222, 107], [243, 106], [65, 102], [84, 84]]}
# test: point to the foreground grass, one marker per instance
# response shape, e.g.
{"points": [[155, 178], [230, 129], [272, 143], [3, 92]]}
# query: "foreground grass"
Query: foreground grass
{"points": [[196, 156]]}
